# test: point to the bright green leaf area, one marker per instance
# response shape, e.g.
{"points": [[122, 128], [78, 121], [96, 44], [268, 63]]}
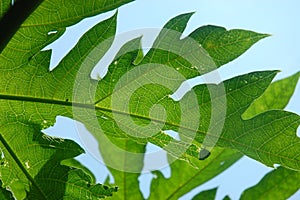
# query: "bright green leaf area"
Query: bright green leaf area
{"points": [[121, 109]]}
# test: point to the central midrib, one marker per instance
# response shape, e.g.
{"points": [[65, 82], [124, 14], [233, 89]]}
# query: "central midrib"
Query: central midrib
{"points": [[88, 106]]}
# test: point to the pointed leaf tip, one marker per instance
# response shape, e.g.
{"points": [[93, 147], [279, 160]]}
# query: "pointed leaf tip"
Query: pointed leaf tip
{"points": [[218, 41]]}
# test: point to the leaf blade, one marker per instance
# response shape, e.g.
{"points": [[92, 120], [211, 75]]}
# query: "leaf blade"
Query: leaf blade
{"points": [[280, 183]]}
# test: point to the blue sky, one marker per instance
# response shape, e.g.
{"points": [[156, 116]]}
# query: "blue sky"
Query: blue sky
{"points": [[280, 51]]}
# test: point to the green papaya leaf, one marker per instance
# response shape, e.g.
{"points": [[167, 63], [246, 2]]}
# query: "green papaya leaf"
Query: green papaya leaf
{"points": [[131, 105]]}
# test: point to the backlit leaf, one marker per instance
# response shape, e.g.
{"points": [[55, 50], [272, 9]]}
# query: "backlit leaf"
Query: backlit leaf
{"points": [[280, 183], [130, 106]]}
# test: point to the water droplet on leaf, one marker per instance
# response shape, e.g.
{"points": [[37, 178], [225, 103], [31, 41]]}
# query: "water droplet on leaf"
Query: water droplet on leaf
{"points": [[204, 153], [103, 117], [27, 164], [52, 32]]}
